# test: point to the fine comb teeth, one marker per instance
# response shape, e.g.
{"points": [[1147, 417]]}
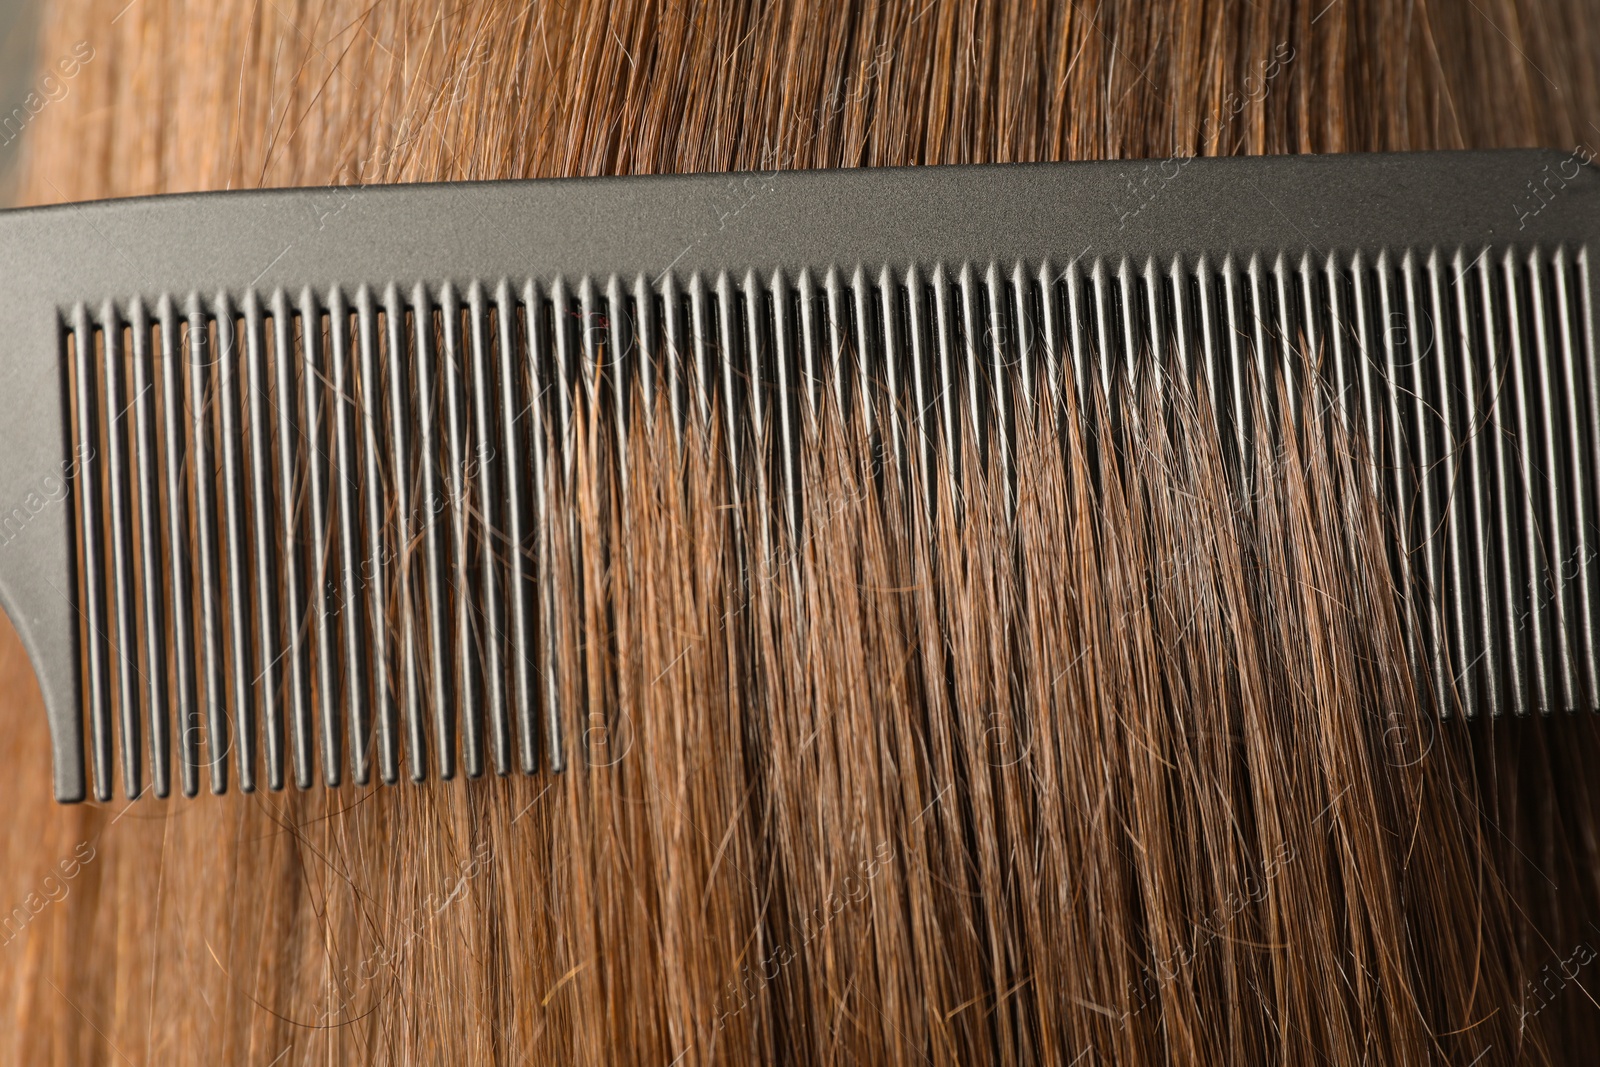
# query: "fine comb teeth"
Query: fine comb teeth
{"points": [[302, 418]]}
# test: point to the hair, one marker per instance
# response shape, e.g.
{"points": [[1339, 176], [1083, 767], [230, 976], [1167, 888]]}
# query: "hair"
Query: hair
{"points": [[1137, 773]]}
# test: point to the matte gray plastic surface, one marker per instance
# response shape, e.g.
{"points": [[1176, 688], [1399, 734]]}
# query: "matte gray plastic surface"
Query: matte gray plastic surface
{"points": [[1422, 277]]}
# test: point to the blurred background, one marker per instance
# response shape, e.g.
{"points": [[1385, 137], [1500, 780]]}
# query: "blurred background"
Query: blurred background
{"points": [[18, 20]]}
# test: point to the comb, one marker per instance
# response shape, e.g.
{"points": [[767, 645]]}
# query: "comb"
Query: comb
{"points": [[241, 427]]}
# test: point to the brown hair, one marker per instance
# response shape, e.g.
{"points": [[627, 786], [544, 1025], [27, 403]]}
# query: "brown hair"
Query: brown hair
{"points": [[1139, 774]]}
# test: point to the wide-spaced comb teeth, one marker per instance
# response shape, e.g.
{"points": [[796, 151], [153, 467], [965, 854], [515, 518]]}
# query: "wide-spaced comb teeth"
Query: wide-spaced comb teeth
{"points": [[311, 480]]}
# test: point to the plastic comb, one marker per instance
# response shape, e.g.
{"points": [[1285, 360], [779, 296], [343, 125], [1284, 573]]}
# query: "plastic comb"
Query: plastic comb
{"points": [[259, 446]]}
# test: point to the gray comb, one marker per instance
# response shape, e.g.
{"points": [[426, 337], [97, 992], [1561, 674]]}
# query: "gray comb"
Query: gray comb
{"points": [[286, 429]]}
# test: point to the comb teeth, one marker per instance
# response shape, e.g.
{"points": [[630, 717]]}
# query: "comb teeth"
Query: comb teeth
{"points": [[313, 508], [307, 439]]}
